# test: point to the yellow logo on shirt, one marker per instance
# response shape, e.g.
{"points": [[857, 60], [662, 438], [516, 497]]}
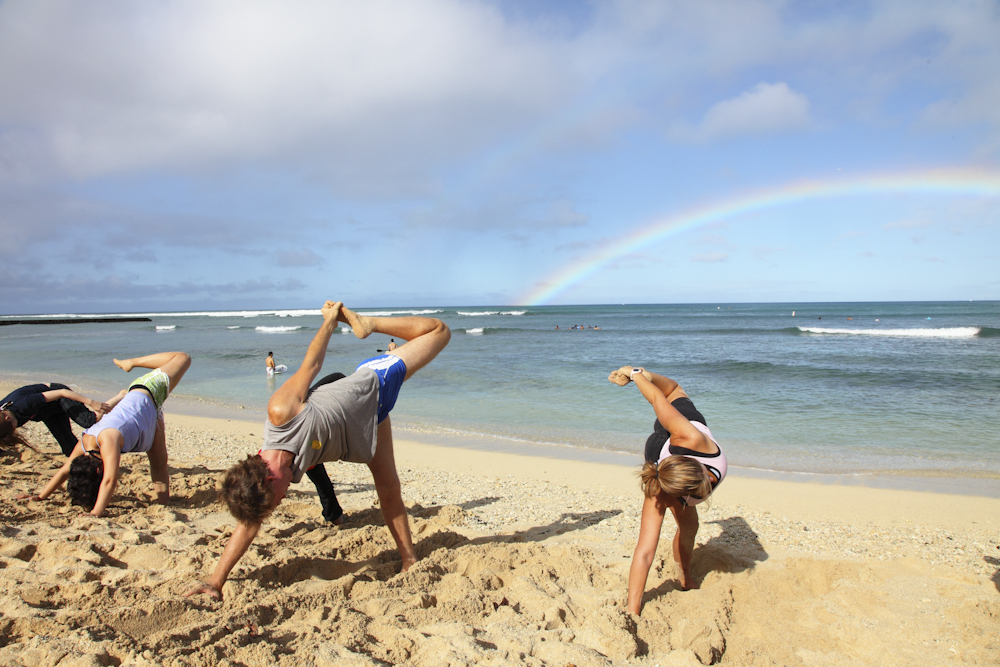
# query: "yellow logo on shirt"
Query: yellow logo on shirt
{"points": [[317, 445]]}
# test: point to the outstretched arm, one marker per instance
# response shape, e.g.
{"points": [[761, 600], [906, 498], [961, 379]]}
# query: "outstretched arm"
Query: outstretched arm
{"points": [[660, 392], [653, 510], [288, 400], [60, 477], [56, 394], [111, 456], [239, 542]]}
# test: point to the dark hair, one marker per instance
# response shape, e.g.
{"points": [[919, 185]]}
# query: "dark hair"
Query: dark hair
{"points": [[85, 475], [9, 437], [270, 353], [246, 491]]}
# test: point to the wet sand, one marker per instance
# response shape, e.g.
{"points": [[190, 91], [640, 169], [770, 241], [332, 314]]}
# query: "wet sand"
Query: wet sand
{"points": [[524, 560]]}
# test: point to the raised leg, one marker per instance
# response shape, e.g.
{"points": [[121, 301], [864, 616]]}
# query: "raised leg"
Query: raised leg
{"points": [[390, 495], [426, 336], [687, 530], [174, 364]]}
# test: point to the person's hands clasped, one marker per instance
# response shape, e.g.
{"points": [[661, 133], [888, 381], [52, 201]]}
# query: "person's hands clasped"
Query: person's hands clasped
{"points": [[624, 375], [331, 310]]}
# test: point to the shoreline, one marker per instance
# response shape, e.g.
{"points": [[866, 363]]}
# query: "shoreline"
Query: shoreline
{"points": [[523, 560], [190, 406]]}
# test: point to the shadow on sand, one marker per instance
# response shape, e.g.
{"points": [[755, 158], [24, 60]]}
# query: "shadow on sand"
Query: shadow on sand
{"points": [[736, 550]]}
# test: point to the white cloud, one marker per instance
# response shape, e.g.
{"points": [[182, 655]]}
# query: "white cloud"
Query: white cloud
{"points": [[120, 86], [765, 109]]}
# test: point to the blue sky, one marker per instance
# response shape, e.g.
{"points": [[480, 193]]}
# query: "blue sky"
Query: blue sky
{"points": [[192, 155]]}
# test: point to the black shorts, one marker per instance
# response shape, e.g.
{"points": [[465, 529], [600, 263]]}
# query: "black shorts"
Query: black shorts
{"points": [[660, 435]]}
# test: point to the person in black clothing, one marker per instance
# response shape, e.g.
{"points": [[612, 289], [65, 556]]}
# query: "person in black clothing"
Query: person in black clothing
{"points": [[332, 511], [54, 405]]}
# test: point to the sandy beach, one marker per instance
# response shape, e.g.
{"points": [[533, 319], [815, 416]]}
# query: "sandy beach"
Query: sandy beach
{"points": [[524, 560]]}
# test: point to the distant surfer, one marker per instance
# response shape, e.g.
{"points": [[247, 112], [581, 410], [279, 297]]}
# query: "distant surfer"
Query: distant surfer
{"points": [[392, 345], [346, 420], [683, 466], [134, 425], [269, 363], [54, 405]]}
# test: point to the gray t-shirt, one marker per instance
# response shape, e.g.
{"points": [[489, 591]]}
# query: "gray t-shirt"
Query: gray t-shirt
{"points": [[338, 423]]}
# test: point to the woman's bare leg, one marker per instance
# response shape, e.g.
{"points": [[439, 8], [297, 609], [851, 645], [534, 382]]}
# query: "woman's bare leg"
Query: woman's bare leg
{"points": [[158, 470], [426, 336], [687, 529], [174, 364]]}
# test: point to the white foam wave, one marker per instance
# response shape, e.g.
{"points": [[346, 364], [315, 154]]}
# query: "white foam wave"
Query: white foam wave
{"points": [[388, 313], [296, 313], [234, 327], [169, 327], [477, 330], [951, 332], [491, 312], [201, 313], [231, 313], [346, 330], [276, 329]]}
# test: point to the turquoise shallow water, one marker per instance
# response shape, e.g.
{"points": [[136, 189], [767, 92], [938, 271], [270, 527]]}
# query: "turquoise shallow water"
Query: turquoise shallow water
{"points": [[869, 388]]}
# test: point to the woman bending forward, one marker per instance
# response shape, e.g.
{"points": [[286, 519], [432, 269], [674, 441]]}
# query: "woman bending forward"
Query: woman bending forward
{"points": [[684, 464], [134, 425]]}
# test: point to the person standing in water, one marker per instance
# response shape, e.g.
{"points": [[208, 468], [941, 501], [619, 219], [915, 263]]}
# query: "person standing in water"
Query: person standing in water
{"points": [[683, 466], [269, 363], [346, 420]]}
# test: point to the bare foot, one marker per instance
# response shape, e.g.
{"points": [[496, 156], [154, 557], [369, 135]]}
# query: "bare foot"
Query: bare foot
{"points": [[339, 521], [688, 582], [407, 564], [361, 325], [124, 365]]}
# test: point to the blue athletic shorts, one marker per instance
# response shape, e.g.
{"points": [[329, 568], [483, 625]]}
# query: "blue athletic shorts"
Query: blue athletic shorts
{"points": [[391, 372]]}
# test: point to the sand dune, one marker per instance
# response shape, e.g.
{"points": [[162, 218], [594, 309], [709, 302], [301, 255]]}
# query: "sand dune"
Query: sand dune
{"points": [[513, 570]]}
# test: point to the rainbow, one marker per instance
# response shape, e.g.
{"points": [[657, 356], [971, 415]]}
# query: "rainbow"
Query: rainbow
{"points": [[966, 182]]}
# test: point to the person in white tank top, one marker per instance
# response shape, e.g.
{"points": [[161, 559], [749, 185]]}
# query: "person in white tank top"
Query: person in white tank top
{"points": [[684, 464]]}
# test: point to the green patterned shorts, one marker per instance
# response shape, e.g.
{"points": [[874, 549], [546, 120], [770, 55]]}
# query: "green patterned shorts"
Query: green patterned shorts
{"points": [[157, 383]]}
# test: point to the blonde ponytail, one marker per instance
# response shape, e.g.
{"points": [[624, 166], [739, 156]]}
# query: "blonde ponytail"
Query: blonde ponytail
{"points": [[676, 476]]}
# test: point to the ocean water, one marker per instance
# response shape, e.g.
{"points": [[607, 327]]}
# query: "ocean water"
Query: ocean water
{"points": [[883, 389]]}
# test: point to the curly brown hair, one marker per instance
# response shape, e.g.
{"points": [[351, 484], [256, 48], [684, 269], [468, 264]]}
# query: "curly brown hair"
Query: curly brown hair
{"points": [[677, 476], [246, 492]]}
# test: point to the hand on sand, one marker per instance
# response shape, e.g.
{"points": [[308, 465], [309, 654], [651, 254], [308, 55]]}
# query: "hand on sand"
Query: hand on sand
{"points": [[331, 310], [207, 589], [28, 497]]}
